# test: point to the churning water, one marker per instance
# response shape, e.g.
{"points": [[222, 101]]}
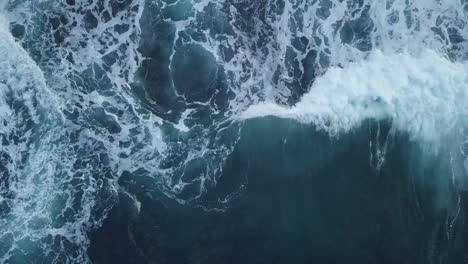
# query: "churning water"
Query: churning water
{"points": [[233, 131]]}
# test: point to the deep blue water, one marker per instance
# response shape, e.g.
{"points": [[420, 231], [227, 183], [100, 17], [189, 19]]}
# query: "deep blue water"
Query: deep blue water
{"points": [[311, 199], [203, 131]]}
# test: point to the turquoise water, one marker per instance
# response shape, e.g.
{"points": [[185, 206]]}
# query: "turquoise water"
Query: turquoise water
{"points": [[275, 131]]}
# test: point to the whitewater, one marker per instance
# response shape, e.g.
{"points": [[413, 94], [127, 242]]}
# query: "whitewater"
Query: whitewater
{"points": [[98, 104], [423, 94]]}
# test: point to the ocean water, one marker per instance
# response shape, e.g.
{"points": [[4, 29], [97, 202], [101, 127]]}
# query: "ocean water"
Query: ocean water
{"points": [[234, 131]]}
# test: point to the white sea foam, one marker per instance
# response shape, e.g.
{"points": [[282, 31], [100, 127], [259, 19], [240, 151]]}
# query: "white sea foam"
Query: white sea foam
{"points": [[424, 94], [26, 112], [58, 169]]}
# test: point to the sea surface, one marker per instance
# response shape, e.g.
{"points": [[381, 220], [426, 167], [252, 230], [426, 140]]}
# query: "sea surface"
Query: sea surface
{"points": [[234, 131]]}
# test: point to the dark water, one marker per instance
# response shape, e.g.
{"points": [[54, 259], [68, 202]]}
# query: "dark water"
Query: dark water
{"points": [[309, 199], [122, 137]]}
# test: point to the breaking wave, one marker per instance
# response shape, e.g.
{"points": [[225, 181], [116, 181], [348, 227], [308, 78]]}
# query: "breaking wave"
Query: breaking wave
{"points": [[424, 95], [94, 93]]}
